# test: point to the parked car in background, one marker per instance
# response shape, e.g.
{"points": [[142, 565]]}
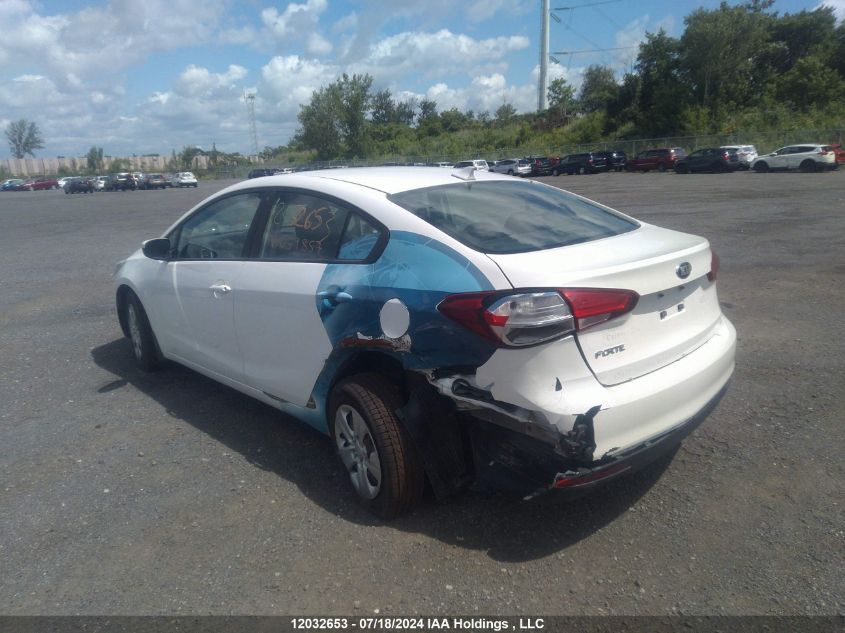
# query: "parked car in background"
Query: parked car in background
{"points": [[184, 179], [745, 153], [585, 163], [100, 183], [806, 157], [839, 153], [712, 159], [11, 184], [38, 184], [79, 184], [478, 163], [616, 159], [261, 171], [543, 165], [443, 164], [122, 181], [63, 180], [655, 159], [512, 167], [153, 181]]}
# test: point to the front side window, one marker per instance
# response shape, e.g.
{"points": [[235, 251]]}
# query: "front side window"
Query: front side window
{"points": [[511, 217], [220, 230]]}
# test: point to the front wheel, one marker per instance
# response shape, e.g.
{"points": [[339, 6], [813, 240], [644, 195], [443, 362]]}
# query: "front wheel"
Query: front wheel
{"points": [[761, 167], [141, 335], [382, 464]]}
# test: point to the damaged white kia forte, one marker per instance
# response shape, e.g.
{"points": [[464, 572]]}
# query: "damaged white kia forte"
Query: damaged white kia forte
{"points": [[438, 324]]}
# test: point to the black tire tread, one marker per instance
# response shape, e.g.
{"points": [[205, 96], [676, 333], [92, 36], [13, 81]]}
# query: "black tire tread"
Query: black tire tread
{"points": [[403, 478], [151, 360]]}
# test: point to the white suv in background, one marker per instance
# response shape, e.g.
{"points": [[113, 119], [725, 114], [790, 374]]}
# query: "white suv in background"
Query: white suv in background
{"points": [[184, 179], [746, 154], [806, 157], [479, 164]]}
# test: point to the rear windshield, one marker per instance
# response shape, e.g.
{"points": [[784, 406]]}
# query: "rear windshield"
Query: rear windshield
{"points": [[511, 217]]}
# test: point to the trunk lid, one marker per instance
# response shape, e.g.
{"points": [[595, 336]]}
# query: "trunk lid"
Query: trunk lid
{"points": [[673, 316]]}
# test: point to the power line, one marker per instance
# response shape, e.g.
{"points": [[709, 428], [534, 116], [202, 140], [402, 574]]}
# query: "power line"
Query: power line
{"points": [[595, 50]]}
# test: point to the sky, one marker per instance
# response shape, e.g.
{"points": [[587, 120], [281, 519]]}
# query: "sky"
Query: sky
{"points": [[150, 76]]}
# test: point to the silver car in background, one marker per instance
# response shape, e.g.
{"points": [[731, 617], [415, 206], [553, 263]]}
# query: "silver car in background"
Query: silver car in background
{"points": [[512, 167], [746, 154]]}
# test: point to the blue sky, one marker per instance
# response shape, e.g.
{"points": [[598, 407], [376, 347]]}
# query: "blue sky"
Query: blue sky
{"points": [[153, 75]]}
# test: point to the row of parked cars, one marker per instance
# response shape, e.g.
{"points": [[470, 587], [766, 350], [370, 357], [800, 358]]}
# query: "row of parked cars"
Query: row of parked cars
{"points": [[806, 157], [120, 181]]}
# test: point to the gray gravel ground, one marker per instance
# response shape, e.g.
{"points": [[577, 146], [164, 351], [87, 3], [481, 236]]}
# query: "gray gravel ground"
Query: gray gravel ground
{"points": [[125, 493]]}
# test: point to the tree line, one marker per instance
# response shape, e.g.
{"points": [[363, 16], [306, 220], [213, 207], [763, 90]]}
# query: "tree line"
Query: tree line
{"points": [[734, 68]]}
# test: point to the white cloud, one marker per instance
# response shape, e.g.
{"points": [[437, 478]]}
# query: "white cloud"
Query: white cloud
{"points": [[838, 7]]}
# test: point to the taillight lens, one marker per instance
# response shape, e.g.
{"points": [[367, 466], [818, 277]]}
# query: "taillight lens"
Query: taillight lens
{"points": [[529, 318], [714, 266]]}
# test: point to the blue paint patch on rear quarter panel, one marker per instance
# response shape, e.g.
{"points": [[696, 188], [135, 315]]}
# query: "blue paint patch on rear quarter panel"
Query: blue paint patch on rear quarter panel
{"points": [[420, 272]]}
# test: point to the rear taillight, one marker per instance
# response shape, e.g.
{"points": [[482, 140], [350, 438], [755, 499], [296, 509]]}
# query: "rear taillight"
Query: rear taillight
{"points": [[591, 306], [714, 266], [528, 318], [822, 152]]}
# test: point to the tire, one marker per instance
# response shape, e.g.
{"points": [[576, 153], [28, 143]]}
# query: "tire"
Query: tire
{"points": [[144, 346], [364, 427], [581, 170], [510, 172], [661, 167], [556, 172], [680, 169], [762, 167], [808, 166]]}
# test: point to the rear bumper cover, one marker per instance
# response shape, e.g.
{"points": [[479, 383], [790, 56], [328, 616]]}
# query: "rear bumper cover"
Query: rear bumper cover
{"points": [[532, 466]]}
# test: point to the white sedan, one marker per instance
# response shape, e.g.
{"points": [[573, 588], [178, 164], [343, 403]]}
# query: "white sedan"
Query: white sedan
{"points": [[184, 179], [438, 324]]}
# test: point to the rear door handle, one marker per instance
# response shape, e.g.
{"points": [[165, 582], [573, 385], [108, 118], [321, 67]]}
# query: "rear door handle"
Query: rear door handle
{"points": [[220, 289], [335, 297]]}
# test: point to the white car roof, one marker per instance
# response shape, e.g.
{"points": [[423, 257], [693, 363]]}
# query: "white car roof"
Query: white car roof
{"points": [[385, 179]]}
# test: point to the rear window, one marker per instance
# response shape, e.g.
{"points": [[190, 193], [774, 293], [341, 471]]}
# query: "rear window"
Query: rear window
{"points": [[511, 217]]}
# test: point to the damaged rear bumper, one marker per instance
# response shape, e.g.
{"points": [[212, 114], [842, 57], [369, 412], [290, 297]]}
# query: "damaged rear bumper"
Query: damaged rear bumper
{"points": [[530, 465]]}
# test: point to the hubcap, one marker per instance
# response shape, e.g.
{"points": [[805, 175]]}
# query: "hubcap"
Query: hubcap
{"points": [[357, 451], [134, 331]]}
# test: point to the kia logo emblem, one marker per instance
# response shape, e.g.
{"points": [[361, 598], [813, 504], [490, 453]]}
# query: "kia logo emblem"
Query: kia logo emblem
{"points": [[683, 270]]}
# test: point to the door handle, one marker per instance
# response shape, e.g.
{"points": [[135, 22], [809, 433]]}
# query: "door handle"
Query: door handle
{"points": [[220, 289], [335, 296]]}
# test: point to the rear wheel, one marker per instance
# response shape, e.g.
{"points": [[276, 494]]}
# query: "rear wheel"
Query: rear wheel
{"points": [[808, 166], [581, 170], [661, 167], [761, 168], [382, 464]]}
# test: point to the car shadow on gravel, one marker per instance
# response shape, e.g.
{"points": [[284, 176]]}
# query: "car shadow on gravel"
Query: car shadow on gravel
{"points": [[500, 522]]}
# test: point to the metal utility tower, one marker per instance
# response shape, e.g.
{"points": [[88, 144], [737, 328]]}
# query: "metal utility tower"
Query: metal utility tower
{"points": [[543, 87], [249, 97]]}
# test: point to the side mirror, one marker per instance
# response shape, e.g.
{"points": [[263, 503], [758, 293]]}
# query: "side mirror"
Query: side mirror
{"points": [[159, 248], [773, 154]]}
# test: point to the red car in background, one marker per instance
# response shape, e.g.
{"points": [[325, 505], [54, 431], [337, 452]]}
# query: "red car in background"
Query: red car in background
{"points": [[661, 159], [38, 184], [839, 153]]}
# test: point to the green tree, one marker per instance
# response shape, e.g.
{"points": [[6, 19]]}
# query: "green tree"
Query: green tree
{"points": [[598, 89], [811, 83], [505, 114], [354, 101], [24, 138], [561, 97], [384, 108], [662, 95], [94, 159]]}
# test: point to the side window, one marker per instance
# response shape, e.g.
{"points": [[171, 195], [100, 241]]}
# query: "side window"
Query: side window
{"points": [[219, 231], [303, 227], [359, 239]]}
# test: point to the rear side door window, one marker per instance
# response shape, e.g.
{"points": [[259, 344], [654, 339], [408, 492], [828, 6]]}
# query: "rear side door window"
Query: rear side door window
{"points": [[305, 227]]}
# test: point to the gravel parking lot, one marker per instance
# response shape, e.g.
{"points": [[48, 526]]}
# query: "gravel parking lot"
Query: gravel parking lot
{"points": [[126, 493]]}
